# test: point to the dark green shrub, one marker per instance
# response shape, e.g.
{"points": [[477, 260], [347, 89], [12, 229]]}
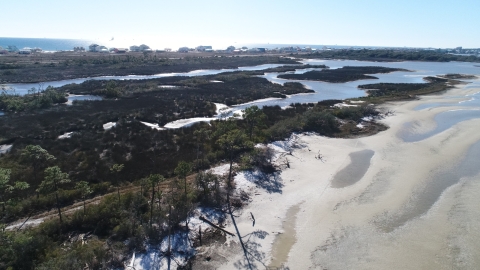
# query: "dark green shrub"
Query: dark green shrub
{"points": [[319, 121]]}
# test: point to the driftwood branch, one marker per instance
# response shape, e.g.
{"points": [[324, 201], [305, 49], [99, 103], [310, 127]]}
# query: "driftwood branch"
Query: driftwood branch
{"points": [[215, 226], [320, 157]]}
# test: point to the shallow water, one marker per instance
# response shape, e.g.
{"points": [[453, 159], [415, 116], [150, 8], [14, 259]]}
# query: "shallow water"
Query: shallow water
{"points": [[324, 90], [424, 199], [353, 172], [472, 100], [443, 121], [284, 241]]}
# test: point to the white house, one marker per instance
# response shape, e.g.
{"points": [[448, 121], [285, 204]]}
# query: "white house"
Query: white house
{"points": [[134, 48], [102, 49], [144, 48], [204, 48]]}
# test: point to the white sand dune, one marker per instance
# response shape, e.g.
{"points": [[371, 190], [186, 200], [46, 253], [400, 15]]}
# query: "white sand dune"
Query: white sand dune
{"points": [[416, 207], [153, 126], [109, 125]]}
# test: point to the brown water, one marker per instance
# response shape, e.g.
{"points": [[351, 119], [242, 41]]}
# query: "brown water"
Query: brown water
{"points": [[284, 241]]}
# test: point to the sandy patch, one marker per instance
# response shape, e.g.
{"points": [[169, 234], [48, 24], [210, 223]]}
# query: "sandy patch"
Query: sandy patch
{"points": [[5, 148], [153, 126], [109, 125]]}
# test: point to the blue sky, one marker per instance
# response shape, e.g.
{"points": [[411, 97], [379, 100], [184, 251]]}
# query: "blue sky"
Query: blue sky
{"points": [[420, 23]]}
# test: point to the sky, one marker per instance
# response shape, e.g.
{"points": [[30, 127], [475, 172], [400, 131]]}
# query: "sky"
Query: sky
{"points": [[160, 23]]}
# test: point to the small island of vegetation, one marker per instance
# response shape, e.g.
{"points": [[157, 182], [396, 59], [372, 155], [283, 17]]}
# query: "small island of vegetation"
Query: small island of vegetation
{"points": [[344, 74]]}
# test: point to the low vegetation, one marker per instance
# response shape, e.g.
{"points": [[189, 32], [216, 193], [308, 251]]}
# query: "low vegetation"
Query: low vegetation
{"points": [[391, 55], [344, 74], [456, 76], [35, 100], [228, 88], [380, 92]]}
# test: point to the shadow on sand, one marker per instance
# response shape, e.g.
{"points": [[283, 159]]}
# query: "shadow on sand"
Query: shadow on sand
{"points": [[272, 183]]}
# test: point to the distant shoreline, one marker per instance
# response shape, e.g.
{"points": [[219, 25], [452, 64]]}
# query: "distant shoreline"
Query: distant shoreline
{"points": [[21, 42]]}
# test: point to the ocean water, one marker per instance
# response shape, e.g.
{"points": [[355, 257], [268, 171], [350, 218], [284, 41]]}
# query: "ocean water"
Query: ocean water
{"points": [[46, 44]]}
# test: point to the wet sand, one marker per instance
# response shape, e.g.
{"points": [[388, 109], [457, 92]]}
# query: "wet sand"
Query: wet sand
{"points": [[414, 205], [285, 240]]}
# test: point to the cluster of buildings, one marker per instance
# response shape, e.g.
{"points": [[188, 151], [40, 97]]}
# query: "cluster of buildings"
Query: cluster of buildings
{"points": [[462, 51], [230, 49], [14, 49], [103, 49]]}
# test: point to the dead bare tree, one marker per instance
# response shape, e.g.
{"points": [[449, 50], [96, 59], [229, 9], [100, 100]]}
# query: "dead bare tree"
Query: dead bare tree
{"points": [[320, 157], [232, 142]]}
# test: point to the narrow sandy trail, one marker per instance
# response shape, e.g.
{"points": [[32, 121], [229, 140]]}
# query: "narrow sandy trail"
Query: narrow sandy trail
{"points": [[415, 207], [37, 219]]}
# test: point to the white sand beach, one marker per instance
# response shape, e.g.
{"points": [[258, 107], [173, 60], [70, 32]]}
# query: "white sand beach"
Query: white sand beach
{"points": [[399, 205]]}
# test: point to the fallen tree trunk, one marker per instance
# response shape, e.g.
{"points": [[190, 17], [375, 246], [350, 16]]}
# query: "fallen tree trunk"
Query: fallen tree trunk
{"points": [[215, 226]]}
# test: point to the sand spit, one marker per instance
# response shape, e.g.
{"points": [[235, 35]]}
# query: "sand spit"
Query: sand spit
{"points": [[395, 216]]}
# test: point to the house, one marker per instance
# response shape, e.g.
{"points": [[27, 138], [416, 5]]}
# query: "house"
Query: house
{"points": [[97, 48], [144, 48], [93, 47], [25, 50], [141, 48], [134, 48], [288, 50], [204, 49], [257, 50], [102, 49]]}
